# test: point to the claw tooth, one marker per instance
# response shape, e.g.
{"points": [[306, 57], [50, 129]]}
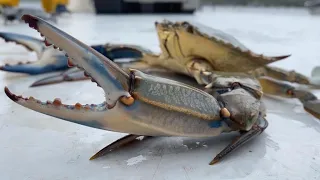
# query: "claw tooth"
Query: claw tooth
{"points": [[57, 102], [31, 98], [47, 43], [49, 102], [78, 106], [70, 64], [86, 74], [55, 47]]}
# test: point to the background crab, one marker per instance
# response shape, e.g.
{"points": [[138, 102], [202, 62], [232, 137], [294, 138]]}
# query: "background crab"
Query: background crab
{"points": [[145, 105]]}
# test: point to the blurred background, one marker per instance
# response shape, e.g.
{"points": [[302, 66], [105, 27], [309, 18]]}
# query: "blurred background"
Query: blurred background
{"points": [[154, 6]]}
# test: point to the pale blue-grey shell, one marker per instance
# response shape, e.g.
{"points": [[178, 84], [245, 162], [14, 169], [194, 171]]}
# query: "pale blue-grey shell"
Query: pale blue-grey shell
{"points": [[218, 34]]}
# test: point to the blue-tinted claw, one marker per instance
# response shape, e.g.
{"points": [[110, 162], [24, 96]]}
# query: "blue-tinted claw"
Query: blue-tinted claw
{"points": [[31, 43], [58, 63], [115, 81], [50, 60]]}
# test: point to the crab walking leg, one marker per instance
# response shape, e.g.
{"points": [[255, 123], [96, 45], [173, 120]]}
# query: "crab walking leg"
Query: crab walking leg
{"points": [[284, 75], [72, 74], [58, 63], [126, 140], [310, 102], [244, 137]]}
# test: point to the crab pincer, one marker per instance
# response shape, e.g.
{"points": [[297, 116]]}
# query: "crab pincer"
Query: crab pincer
{"points": [[49, 60], [141, 104]]}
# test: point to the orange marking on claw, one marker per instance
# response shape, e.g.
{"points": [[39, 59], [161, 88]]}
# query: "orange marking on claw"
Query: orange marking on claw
{"points": [[78, 106], [57, 102], [127, 100], [225, 112], [70, 64]]}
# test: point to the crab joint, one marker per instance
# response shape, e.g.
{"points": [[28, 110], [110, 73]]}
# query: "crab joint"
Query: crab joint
{"points": [[225, 113], [127, 100]]}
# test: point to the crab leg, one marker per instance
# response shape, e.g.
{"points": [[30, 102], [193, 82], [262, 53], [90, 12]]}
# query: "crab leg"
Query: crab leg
{"points": [[290, 76], [72, 74], [242, 139], [126, 140], [310, 102]]}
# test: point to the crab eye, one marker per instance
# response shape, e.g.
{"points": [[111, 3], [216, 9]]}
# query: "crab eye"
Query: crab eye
{"points": [[187, 27]]}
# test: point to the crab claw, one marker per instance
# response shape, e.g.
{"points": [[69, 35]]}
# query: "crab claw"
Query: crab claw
{"points": [[138, 103], [106, 73], [50, 60], [31, 43]]}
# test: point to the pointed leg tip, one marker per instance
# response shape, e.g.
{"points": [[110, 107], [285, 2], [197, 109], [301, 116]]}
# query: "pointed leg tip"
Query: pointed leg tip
{"points": [[214, 161], [97, 155], [34, 85], [282, 57]]}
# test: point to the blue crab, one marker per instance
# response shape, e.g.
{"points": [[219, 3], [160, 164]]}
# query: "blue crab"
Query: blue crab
{"points": [[194, 50], [150, 100], [49, 60]]}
